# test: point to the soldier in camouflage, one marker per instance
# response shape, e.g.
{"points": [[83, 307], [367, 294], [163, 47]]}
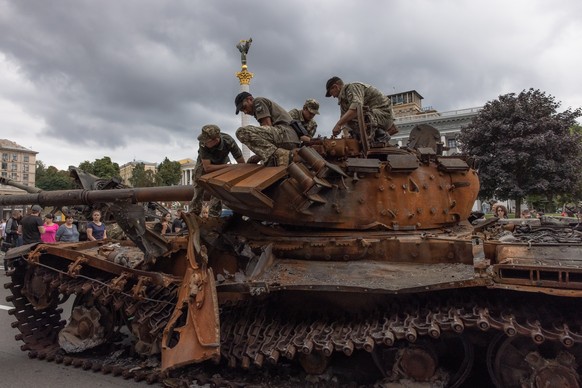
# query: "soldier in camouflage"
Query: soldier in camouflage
{"points": [[377, 108], [274, 139], [212, 155], [306, 115]]}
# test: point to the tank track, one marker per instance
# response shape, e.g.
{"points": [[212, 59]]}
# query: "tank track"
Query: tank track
{"points": [[259, 334]]}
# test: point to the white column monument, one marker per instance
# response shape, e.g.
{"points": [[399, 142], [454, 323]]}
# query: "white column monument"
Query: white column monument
{"points": [[244, 77]]}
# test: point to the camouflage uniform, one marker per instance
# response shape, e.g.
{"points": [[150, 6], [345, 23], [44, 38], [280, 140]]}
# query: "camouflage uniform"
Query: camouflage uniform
{"points": [[297, 114], [264, 141], [216, 155], [377, 107]]}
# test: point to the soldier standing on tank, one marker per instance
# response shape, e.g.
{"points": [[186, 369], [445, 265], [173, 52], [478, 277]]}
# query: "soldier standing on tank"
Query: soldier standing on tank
{"points": [[306, 116], [212, 155], [275, 137], [376, 106]]}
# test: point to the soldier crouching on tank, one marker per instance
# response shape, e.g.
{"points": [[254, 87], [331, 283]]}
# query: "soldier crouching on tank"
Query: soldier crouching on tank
{"points": [[212, 155], [376, 106], [306, 116], [275, 138]]}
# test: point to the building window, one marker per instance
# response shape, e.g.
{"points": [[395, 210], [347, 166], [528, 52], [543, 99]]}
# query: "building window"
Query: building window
{"points": [[13, 175], [15, 157], [26, 168], [452, 143], [5, 157], [4, 174], [4, 166], [25, 177], [14, 166], [25, 158]]}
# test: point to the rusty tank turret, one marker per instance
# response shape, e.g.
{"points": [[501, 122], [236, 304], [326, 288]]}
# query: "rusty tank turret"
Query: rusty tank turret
{"points": [[353, 251]]}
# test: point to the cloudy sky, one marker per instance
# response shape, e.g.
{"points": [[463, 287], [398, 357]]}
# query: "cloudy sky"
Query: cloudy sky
{"points": [[137, 79]]}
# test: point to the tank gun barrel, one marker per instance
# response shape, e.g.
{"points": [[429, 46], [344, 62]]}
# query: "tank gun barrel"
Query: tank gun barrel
{"points": [[88, 197], [13, 183]]}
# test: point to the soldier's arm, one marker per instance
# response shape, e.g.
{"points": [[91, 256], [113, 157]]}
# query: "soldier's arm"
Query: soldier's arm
{"points": [[346, 118], [266, 122], [209, 167]]}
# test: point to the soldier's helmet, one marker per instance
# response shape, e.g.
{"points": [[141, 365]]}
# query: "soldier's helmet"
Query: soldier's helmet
{"points": [[312, 105], [209, 132]]}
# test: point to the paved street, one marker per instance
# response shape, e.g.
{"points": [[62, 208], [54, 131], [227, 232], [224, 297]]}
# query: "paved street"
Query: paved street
{"points": [[17, 370]]}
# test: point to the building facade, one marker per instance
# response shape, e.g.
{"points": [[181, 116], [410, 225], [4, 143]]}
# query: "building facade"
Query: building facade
{"points": [[19, 165], [187, 169], [126, 170], [408, 113]]}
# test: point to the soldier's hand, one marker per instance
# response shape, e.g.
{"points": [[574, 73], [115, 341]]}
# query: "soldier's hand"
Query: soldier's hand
{"points": [[255, 159], [305, 139]]}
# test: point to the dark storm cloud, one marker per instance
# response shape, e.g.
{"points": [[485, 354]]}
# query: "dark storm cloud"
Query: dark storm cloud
{"points": [[109, 73]]}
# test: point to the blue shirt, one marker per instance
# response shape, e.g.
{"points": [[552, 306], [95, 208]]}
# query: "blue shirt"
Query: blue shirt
{"points": [[98, 230]]}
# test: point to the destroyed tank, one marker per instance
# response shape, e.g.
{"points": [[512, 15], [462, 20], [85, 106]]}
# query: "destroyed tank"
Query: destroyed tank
{"points": [[355, 251]]}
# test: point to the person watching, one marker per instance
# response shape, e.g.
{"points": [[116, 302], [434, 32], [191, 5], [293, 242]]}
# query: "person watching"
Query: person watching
{"points": [[32, 226], [67, 232], [96, 229]]}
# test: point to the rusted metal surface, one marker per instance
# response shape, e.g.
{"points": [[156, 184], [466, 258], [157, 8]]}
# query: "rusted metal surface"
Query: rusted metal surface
{"points": [[366, 276], [346, 196]]}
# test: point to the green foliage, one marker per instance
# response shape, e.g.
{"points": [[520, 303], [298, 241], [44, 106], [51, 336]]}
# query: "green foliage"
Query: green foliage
{"points": [[51, 178], [140, 177], [103, 168], [169, 173], [523, 146]]}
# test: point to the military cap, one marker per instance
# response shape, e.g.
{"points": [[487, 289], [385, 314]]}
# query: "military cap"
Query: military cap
{"points": [[312, 105], [330, 82], [239, 99], [209, 132]]}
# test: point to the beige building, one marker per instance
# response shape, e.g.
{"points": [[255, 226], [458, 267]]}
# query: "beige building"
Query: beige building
{"points": [[126, 170], [187, 169], [19, 165]]}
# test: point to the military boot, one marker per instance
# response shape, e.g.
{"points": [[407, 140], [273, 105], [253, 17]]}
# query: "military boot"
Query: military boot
{"points": [[282, 157]]}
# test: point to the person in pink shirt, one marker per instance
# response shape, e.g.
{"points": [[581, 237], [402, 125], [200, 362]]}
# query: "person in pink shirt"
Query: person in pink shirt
{"points": [[50, 229]]}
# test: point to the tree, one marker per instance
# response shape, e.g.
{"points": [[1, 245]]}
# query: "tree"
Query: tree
{"points": [[51, 178], [523, 146], [140, 177], [103, 168], [169, 173]]}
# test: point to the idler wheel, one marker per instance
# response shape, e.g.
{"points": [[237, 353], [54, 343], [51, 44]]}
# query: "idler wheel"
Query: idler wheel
{"points": [[314, 363], [37, 288]]}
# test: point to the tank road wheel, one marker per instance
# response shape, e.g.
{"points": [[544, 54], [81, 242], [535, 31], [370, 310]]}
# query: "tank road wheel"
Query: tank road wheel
{"points": [[90, 325], [447, 360], [519, 362], [314, 363]]}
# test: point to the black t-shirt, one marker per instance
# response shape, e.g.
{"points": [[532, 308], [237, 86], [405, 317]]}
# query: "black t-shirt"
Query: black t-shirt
{"points": [[30, 232]]}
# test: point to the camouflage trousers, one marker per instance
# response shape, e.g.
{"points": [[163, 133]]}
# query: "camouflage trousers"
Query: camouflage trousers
{"points": [[380, 118], [264, 141], [215, 206]]}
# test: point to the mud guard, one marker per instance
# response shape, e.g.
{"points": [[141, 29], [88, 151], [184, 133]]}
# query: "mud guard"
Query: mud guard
{"points": [[193, 332]]}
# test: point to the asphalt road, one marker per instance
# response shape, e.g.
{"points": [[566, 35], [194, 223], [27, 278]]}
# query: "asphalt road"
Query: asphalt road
{"points": [[17, 370]]}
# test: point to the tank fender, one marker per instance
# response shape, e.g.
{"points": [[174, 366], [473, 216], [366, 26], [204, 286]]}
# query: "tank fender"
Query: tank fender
{"points": [[193, 332]]}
